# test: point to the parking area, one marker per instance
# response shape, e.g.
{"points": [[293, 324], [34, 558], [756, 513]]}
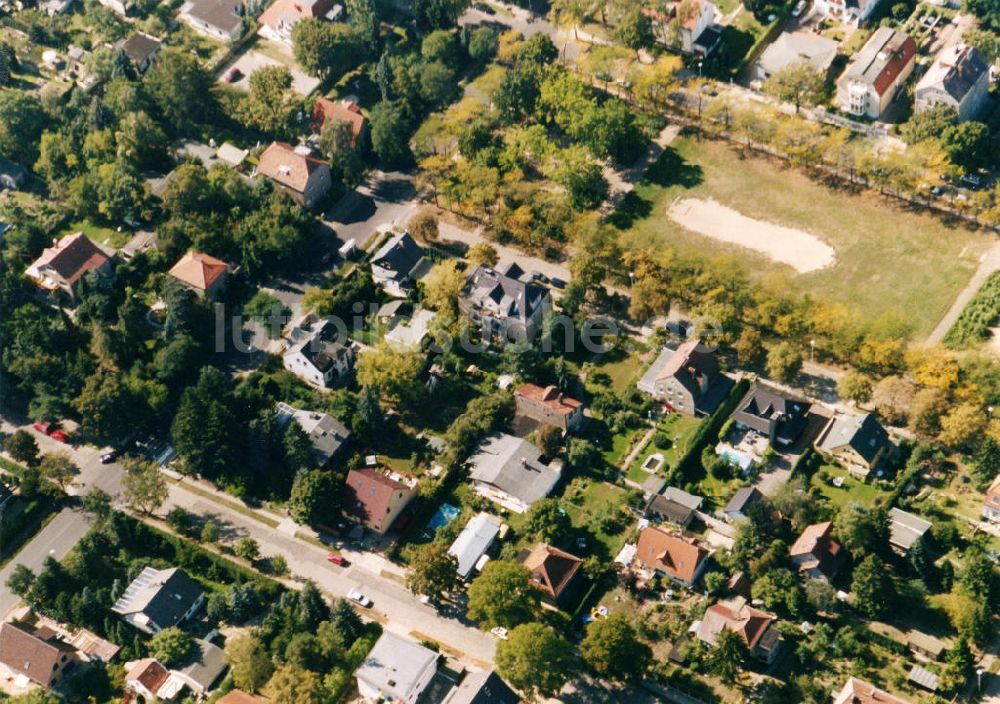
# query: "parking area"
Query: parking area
{"points": [[250, 62]]}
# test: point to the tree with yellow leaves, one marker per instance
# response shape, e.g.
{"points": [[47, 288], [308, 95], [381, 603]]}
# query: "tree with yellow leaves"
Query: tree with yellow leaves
{"points": [[396, 373], [442, 285]]}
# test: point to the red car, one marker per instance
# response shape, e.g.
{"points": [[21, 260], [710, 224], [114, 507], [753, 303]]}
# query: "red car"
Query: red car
{"points": [[337, 559], [59, 436], [43, 428], [232, 75]]}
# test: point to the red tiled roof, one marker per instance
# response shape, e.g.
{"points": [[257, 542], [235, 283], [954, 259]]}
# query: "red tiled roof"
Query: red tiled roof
{"points": [[748, 622], [895, 65], [369, 495], [281, 163], [343, 111], [72, 257], [548, 396], [198, 270], [670, 554], [149, 673], [857, 691], [551, 569], [291, 11]]}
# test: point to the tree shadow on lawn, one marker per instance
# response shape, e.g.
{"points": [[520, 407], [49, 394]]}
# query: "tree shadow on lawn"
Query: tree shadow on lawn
{"points": [[669, 170]]}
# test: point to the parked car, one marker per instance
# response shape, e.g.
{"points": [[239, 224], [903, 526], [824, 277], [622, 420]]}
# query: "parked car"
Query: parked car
{"points": [[232, 75], [500, 632], [484, 8], [337, 559], [359, 598], [539, 277], [109, 456], [557, 282], [800, 6]]}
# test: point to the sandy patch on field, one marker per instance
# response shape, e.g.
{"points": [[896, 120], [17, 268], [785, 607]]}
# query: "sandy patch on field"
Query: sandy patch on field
{"points": [[801, 250]]}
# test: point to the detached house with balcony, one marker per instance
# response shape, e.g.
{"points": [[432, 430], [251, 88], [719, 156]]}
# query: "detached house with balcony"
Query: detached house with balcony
{"points": [[293, 170], [317, 354], [877, 74], [687, 378], [60, 267], [682, 560], [548, 406], [959, 78], [816, 553], [375, 498], [754, 627], [773, 414], [860, 443], [159, 599], [397, 263], [504, 306], [33, 656]]}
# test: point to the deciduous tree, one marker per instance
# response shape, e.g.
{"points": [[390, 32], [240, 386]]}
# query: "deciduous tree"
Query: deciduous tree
{"points": [[535, 660], [612, 648], [433, 571], [502, 595]]}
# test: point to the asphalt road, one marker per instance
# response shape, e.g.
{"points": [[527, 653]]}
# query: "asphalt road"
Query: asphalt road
{"points": [[55, 540], [384, 200]]}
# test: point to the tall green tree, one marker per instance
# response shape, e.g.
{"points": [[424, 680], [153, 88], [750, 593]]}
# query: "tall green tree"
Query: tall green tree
{"points": [[728, 656], [144, 487], [315, 496], [798, 83], [182, 90], [873, 587], [502, 595], [535, 660], [612, 648], [433, 571], [390, 131]]}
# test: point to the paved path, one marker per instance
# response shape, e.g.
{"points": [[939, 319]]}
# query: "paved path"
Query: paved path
{"points": [[453, 233], [988, 263]]}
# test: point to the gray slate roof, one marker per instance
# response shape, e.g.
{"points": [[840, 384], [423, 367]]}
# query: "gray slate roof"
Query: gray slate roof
{"points": [[863, 433], [742, 499], [905, 529], [683, 498], [473, 542], [395, 660], [139, 47], [956, 71], [502, 294], [220, 14], [327, 434], [400, 254], [164, 596], [512, 465], [207, 666], [791, 48], [482, 688]]}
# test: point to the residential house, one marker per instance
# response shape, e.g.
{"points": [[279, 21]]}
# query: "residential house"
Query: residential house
{"points": [[231, 155], [554, 572], [991, 504], [346, 111], [410, 333], [146, 678], [687, 379], [317, 354], [683, 498], [548, 406], [326, 434], [303, 177], [662, 509], [375, 498], [504, 306], [280, 18], [12, 176], [816, 553], [203, 670], [697, 32], [507, 470], [905, 530], [219, 19], [480, 688], [395, 264], [397, 670], [738, 506], [772, 413], [792, 49], [474, 541], [159, 599], [61, 266], [141, 49], [681, 560], [754, 627], [202, 273], [857, 691], [859, 442], [30, 656], [877, 74], [925, 646], [958, 78], [853, 11]]}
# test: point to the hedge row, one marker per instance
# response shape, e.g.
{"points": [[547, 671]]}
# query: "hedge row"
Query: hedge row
{"points": [[979, 314], [708, 432]]}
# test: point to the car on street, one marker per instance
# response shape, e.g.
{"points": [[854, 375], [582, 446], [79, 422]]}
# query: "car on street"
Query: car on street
{"points": [[357, 597], [337, 559], [539, 277], [557, 282], [484, 8]]}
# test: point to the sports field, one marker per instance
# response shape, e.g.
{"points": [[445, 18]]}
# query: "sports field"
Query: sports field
{"points": [[886, 261]]}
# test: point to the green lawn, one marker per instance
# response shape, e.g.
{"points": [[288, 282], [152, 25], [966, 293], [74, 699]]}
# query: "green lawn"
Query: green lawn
{"points": [[679, 428], [595, 510], [886, 257], [99, 233], [851, 490]]}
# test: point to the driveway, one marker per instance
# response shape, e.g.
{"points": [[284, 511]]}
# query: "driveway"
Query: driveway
{"points": [[454, 234], [384, 200], [253, 60]]}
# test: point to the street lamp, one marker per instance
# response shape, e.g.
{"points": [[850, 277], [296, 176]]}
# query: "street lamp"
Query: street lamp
{"points": [[812, 351], [979, 678], [699, 68]]}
